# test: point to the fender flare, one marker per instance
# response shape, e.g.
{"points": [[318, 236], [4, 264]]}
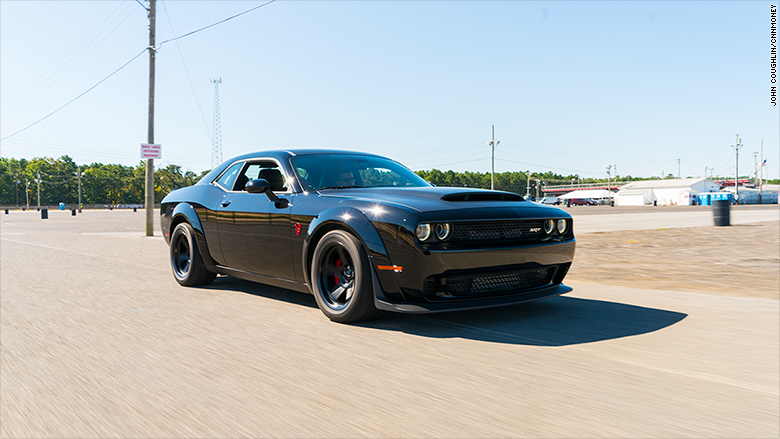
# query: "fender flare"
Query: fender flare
{"points": [[345, 218], [185, 212]]}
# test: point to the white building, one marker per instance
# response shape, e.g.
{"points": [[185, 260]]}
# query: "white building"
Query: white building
{"points": [[677, 191]]}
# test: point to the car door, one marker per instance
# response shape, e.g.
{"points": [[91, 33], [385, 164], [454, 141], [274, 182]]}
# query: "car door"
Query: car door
{"points": [[254, 232]]}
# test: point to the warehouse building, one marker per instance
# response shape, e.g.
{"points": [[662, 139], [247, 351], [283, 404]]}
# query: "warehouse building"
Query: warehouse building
{"points": [[677, 191]]}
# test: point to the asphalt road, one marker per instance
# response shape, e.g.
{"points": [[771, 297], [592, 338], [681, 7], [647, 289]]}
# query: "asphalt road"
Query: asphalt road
{"points": [[98, 340]]}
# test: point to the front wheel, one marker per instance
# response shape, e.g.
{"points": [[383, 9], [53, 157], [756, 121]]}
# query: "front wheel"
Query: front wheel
{"points": [[186, 262], [341, 278]]}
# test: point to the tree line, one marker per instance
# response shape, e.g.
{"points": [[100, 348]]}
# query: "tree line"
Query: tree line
{"points": [[516, 181], [118, 184], [100, 184]]}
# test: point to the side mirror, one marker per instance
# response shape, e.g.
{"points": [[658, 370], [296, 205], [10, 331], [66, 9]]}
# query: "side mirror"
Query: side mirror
{"points": [[261, 186]]}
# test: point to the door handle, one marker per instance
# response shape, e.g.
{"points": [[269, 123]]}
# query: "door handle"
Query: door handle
{"points": [[226, 203]]}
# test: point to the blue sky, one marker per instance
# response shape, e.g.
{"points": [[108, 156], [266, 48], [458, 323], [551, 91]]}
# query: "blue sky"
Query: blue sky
{"points": [[570, 87]]}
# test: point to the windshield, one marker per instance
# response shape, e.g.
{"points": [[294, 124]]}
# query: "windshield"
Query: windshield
{"points": [[338, 171]]}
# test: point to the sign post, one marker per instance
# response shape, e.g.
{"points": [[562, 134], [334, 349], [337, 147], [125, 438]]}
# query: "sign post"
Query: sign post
{"points": [[149, 180]]}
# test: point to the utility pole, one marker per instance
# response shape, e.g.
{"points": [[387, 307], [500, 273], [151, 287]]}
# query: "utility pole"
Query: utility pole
{"points": [[493, 144], [678, 168], [27, 192], [761, 175], [736, 147], [609, 191], [78, 170], [527, 184], [150, 162]]}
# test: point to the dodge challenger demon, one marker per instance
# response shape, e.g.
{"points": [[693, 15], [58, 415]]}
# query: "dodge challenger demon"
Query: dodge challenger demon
{"points": [[363, 234]]}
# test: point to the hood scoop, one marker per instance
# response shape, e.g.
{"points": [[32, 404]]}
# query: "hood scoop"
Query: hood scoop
{"points": [[482, 196]]}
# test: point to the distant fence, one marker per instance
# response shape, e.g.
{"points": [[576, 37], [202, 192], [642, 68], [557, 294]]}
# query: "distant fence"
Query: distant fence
{"points": [[565, 188], [75, 206]]}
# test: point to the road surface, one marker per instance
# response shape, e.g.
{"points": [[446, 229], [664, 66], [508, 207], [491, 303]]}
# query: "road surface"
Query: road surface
{"points": [[97, 340]]}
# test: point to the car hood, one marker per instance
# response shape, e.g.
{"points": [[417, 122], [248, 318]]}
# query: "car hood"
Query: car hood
{"points": [[451, 202]]}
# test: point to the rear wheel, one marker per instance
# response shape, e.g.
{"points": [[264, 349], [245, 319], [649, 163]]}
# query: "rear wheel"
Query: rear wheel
{"points": [[341, 278], [186, 262]]}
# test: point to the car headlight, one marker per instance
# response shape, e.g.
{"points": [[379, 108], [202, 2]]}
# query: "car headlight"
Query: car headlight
{"points": [[443, 231], [561, 226], [423, 231], [549, 226]]}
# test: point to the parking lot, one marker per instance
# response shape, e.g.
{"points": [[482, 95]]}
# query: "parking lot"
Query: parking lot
{"points": [[672, 330]]}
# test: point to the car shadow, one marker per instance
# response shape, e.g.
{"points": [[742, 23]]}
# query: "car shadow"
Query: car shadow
{"points": [[559, 321], [227, 283]]}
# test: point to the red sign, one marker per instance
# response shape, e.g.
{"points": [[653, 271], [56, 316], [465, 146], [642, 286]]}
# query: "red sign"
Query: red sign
{"points": [[151, 151]]}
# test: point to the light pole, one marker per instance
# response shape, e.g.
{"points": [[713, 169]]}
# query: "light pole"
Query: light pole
{"points": [[38, 180], [78, 171], [493, 144], [736, 147], [609, 190]]}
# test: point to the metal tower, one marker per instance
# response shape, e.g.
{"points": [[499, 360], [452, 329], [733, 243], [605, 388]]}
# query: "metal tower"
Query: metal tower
{"points": [[216, 135]]}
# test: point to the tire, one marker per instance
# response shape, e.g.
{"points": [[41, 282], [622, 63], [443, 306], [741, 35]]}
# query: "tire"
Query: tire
{"points": [[341, 279], [186, 262]]}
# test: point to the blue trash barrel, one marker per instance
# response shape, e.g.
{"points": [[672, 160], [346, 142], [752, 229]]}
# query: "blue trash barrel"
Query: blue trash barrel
{"points": [[721, 212], [62, 206]]}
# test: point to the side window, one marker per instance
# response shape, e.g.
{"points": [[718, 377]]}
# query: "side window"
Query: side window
{"points": [[229, 177], [267, 170]]}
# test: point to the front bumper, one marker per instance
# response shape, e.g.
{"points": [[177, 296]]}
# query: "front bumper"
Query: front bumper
{"points": [[443, 280], [487, 302]]}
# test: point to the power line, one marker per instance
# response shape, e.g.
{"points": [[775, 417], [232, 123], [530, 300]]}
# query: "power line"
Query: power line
{"points": [[187, 71], [133, 59], [77, 97], [214, 24], [64, 59], [54, 81]]}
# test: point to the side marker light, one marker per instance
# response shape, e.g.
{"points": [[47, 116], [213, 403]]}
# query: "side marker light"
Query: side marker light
{"points": [[396, 268]]}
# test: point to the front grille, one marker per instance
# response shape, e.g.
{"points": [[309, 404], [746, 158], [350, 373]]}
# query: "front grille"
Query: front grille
{"points": [[497, 230], [483, 284]]}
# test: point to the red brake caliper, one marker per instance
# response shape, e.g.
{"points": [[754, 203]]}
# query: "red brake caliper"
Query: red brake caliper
{"points": [[338, 264]]}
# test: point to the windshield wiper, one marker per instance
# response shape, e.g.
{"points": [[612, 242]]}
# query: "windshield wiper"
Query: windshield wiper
{"points": [[339, 187]]}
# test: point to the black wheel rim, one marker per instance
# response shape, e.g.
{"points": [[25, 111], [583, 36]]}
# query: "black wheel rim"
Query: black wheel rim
{"points": [[180, 255], [336, 277]]}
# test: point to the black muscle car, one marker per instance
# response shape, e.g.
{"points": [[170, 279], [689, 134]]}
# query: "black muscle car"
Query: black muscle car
{"points": [[363, 234]]}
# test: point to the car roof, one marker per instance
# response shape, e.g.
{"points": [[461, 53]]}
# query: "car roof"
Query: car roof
{"points": [[286, 153], [279, 154]]}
